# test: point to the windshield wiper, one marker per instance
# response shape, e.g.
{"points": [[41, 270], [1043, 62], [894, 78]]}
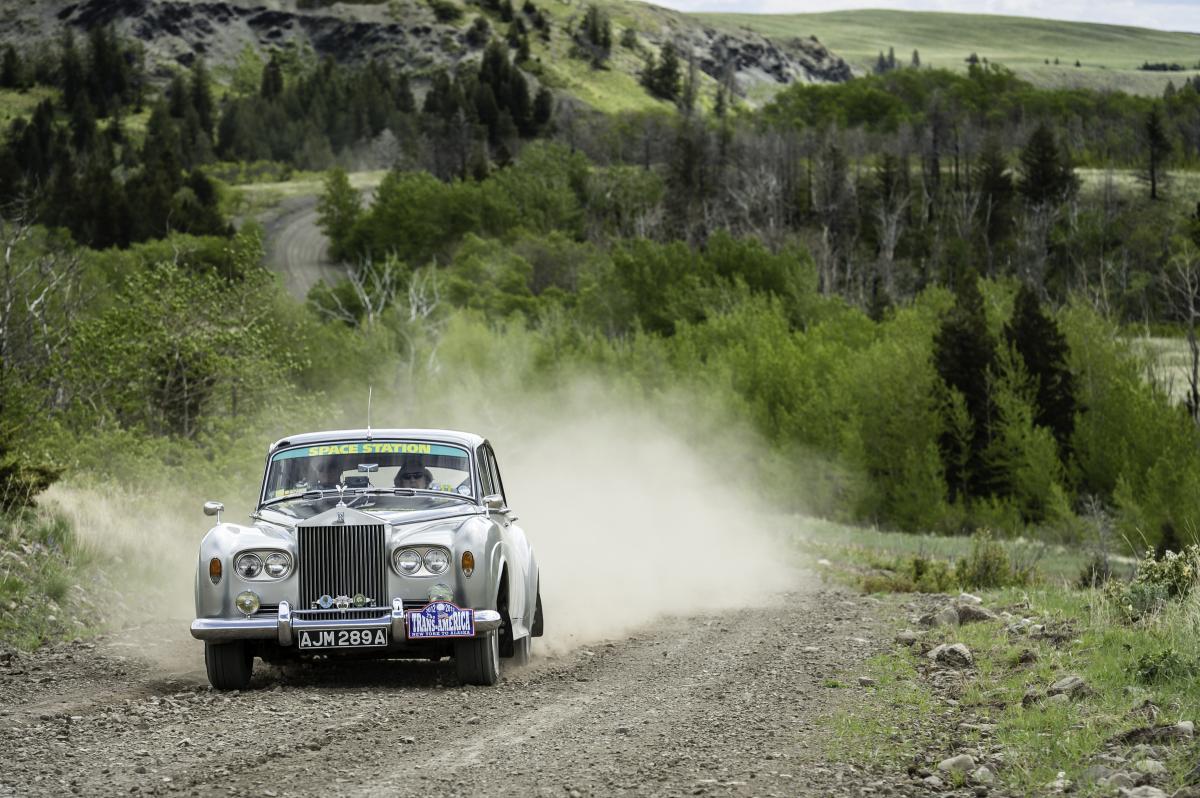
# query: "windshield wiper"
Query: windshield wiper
{"points": [[312, 494]]}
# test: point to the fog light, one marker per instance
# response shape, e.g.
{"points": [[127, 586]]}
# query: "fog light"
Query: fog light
{"points": [[468, 563], [440, 592], [214, 570], [247, 602]]}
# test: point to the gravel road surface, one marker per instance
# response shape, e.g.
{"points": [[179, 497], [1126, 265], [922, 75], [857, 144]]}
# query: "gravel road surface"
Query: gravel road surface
{"points": [[296, 247], [733, 703]]}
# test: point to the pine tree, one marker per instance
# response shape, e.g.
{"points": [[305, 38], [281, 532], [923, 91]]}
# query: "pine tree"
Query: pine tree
{"points": [[543, 109], [1158, 149], [272, 79], [405, 102], [200, 89], [916, 60], [1046, 174], [995, 184], [891, 58], [881, 64], [70, 71], [1043, 348], [963, 355], [661, 76], [12, 71]]}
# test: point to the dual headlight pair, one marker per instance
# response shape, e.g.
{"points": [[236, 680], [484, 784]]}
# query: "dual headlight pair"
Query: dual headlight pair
{"points": [[409, 561], [251, 564]]}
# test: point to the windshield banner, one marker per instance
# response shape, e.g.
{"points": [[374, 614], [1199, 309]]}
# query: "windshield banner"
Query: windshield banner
{"points": [[371, 447]]}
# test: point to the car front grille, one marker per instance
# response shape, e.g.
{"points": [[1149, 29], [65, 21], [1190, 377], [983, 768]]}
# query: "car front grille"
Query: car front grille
{"points": [[341, 561]]}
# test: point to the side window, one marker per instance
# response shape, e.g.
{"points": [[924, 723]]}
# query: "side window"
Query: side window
{"points": [[485, 471], [495, 469]]}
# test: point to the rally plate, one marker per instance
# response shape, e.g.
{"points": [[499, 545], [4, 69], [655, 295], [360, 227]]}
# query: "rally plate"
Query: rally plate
{"points": [[440, 619], [310, 639]]}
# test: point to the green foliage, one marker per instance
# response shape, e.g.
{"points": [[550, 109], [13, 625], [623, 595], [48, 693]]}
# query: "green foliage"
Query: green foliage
{"points": [[1157, 582], [446, 10], [1047, 176], [337, 212], [916, 574], [989, 566], [661, 75], [1163, 665]]}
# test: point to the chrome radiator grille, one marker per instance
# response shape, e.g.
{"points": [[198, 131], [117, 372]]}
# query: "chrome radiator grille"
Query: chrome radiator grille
{"points": [[341, 561]]}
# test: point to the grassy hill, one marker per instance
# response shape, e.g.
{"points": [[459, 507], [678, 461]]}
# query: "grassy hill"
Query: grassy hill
{"points": [[1108, 54]]}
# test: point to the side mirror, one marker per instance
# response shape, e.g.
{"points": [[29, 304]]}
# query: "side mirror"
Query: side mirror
{"points": [[214, 508], [494, 502]]}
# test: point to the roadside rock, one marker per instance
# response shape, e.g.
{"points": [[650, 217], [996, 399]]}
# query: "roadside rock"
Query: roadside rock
{"points": [[1070, 686], [963, 763], [967, 598], [907, 637], [1151, 767], [982, 775], [971, 613], [954, 655], [1184, 730], [866, 681], [946, 616], [1143, 792], [1120, 781], [1031, 697], [1096, 774]]}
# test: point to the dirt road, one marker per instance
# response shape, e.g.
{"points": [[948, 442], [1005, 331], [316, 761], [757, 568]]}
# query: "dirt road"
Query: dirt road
{"points": [[728, 704], [296, 247]]}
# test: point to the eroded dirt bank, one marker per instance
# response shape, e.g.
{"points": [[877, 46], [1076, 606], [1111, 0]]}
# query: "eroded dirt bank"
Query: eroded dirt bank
{"points": [[729, 703]]}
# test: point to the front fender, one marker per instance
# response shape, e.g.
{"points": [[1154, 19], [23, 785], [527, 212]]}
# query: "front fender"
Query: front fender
{"points": [[224, 542]]}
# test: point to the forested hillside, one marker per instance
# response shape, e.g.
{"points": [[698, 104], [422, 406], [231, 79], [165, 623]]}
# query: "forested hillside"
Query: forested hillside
{"points": [[908, 284]]}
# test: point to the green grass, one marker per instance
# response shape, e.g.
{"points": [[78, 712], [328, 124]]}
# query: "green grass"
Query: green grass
{"points": [[14, 104], [853, 551], [1109, 54], [43, 568], [905, 721]]}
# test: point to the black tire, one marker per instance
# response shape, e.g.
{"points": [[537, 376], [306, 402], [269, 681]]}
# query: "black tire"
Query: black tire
{"points": [[521, 650], [229, 665], [477, 660]]}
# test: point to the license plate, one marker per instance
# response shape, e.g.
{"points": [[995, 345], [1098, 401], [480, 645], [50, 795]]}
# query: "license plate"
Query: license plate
{"points": [[440, 619], [342, 638]]}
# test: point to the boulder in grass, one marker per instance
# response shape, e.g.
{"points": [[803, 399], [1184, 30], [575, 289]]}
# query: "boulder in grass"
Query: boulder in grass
{"points": [[1070, 686], [954, 655], [971, 613]]}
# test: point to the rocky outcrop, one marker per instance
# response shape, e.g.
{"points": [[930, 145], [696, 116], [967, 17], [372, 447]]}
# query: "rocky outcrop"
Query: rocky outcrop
{"points": [[403, 32], [176, 31]]}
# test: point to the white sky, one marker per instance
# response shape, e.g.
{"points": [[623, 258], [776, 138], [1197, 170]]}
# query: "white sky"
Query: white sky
{"points": [[1179, 15]]}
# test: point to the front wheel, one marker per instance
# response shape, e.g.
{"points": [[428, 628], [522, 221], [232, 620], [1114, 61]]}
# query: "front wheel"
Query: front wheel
{"points": [[477, 660], [229, 665]]}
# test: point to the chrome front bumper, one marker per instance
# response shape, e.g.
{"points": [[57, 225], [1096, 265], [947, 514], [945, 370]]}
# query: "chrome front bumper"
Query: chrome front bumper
{"points": [[283, 627]]}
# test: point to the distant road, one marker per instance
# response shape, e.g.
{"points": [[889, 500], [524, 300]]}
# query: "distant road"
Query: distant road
{"points": [[295, 246]]}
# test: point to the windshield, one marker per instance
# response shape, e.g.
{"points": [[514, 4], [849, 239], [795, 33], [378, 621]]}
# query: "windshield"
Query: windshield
{"points": [[362, 465]]}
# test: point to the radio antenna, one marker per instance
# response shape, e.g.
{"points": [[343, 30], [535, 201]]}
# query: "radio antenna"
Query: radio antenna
{"points": [[369, 392]]}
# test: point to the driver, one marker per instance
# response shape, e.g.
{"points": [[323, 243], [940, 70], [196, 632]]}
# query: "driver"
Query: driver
{"points": [[413, 474], [327, 473]]}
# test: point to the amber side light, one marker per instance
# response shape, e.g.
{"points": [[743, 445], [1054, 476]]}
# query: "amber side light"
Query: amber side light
{"points": [[214, 570], [468, 563]]}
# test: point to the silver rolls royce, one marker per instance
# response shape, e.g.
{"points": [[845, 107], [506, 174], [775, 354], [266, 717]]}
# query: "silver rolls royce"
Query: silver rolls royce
{"points": [[385, 543]]}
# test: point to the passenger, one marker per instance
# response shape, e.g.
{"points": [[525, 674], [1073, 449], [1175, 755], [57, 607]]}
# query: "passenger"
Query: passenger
{"points": [[327, 473], [413, 474]]}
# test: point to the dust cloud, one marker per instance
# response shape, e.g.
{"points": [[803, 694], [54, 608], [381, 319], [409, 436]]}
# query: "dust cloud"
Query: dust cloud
{"points": [[635, 511]]}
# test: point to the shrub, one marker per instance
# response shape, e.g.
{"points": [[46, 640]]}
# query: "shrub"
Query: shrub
{"points": [[988, 565], [446, 11], [1163, 666], [1158, 581], [916, 574], [1095, 573]]}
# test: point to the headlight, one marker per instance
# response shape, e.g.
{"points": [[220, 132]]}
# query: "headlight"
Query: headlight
{"points": [[247, 603], [407, 561], [278, 565], [436, 561], [248, 565]]}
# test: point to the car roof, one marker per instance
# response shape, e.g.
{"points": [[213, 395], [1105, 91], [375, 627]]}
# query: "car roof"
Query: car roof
{"points": [[468, 439]]}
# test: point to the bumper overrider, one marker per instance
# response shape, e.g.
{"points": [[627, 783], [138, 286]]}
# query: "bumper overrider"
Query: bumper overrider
{"points": [[283, 626]]}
